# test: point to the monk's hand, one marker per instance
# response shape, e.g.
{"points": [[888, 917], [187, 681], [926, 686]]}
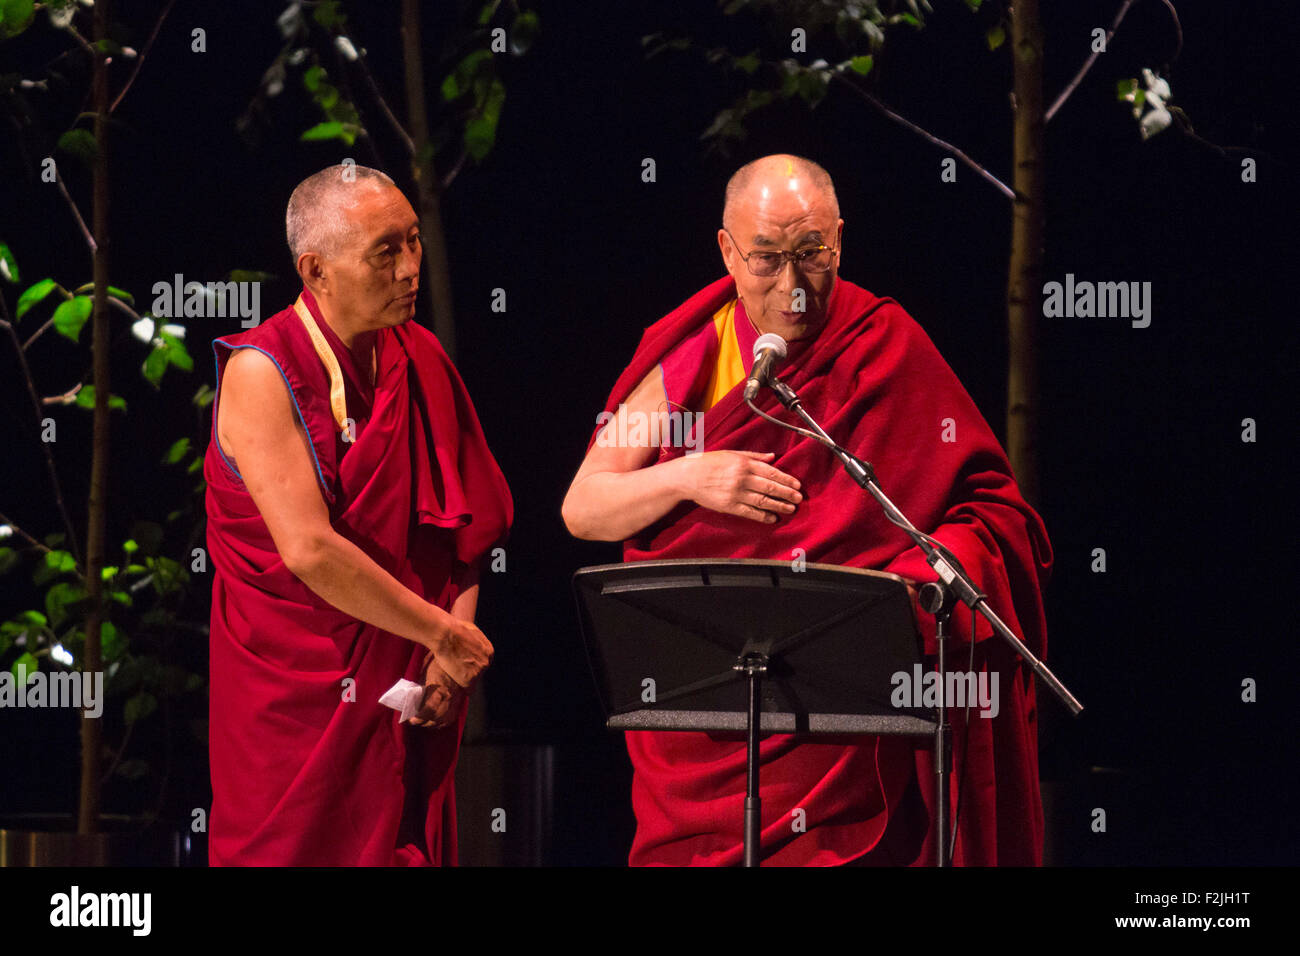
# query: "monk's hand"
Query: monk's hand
{"points": [[441, 703], [463, 652], [743, 483]]}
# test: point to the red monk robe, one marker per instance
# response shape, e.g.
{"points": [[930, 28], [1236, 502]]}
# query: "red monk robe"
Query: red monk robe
{"points": [[308, 770], [879, 387]]}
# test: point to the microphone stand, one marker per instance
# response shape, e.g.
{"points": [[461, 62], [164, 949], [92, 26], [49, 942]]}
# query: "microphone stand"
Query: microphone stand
{"points": [[937, 597]]}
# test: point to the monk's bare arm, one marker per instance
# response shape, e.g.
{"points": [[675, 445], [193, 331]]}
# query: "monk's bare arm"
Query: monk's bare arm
{"points": [[257, 425], [466, 604], [617, 492]]}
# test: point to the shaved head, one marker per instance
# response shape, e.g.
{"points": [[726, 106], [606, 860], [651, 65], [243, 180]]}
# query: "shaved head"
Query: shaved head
{"points": [[772, 172], [317, 219], [780, 240]]}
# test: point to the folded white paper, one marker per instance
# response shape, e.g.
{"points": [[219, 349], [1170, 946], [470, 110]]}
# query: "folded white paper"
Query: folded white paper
{"points": [[404, 697]]}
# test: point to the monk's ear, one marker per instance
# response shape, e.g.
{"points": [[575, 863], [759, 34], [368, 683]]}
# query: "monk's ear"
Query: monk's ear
{"points": [[727, 250], [311, 269]]}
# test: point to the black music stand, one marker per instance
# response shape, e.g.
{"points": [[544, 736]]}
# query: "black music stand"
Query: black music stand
{"points": [[760, 646]]}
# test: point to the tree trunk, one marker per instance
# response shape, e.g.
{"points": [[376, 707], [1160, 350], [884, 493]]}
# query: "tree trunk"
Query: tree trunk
{"points": [[427, 185], [1024, 274], [91, 765]]}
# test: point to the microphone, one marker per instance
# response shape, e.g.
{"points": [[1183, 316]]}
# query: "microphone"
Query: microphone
{"points": [[767, 350]]}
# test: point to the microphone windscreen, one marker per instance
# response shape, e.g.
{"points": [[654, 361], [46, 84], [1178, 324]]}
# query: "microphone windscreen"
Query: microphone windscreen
{"points": [[770, 340]]}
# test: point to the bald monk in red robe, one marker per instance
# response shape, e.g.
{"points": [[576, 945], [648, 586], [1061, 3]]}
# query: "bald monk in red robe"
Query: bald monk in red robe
{"points": [[351, 498], [873, 379]]}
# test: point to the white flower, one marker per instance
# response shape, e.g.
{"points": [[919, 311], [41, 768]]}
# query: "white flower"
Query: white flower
{"points": [[6, 531], [59, 653], [176, 331], [1155, 121], [4, 269], [345, 47], [290, 22], [1156, 86], [143, 330]]}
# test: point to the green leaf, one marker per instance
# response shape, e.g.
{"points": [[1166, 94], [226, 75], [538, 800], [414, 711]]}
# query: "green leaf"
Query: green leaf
{"points": [[132, 769], [86, 399], [330, 129], [1124, 88], [70, 316], [149, 534], [15, 17], [203, 395], [250, 275], [28, 663], [61, 601], [995, 36], [34, 294], [140, 706], [488, 10], [177, 451], [313, 77], [60, 561], [155, 365], [862, 64], [177, 354], [481, 130], [8, 558], [9, 267], [129, 546], [108, 46], [328, 15], [747, 64], [108, 572], [523, 32], [33, 617], [80, 144], [460, 80], [974, 5], [112, 642]]}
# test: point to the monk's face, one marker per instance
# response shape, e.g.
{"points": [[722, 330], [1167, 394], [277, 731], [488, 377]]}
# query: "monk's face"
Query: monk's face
{"points": [[371, 281], [779, 212]]}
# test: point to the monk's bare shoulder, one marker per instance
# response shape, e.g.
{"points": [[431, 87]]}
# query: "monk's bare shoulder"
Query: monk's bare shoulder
{"points": [[253, 395]]}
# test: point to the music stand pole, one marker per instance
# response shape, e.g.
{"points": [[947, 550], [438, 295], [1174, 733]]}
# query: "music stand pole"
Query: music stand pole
{"points": [[753, 666]]}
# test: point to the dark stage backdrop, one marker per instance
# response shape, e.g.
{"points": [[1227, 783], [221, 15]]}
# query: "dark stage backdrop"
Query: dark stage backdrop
{"points": [[1141, 449]]}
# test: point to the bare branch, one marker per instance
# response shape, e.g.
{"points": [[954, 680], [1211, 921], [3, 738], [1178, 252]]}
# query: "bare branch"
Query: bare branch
{"points": [[85, 232], [929, 137], [143, 53], [22, 534], [1087, 64], [393, 121], [1178, 28], [45, 447], [67, 398], [455, 170]]}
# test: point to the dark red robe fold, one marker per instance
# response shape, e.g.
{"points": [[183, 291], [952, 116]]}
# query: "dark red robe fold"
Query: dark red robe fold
{"points": [[876, 383], [307, 767]]}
